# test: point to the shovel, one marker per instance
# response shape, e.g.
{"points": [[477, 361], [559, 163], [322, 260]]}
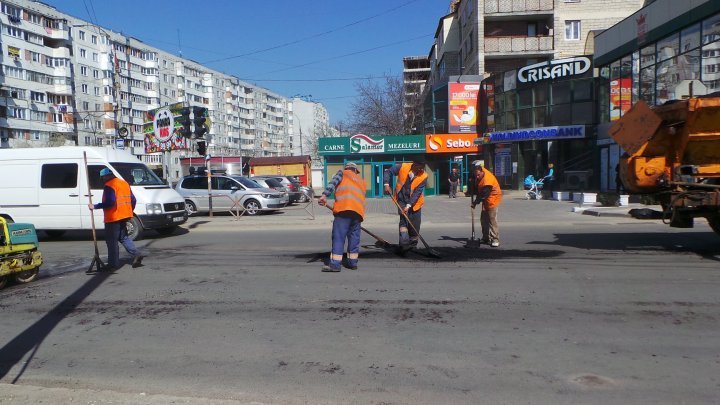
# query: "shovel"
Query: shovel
{"points": [[431, 252], [472, 242], [380, 242]]}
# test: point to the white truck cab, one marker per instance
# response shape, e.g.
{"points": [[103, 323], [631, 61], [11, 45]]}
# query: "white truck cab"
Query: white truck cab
{"points": [[48, 187]]}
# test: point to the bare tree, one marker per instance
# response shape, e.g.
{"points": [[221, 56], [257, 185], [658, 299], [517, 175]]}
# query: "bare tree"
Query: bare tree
{"points": [[379, 110]]}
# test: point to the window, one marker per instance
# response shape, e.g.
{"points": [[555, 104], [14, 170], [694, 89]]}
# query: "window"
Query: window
{"points": [[59, 175], [97, 91], [84, 70], [15, 112], [85, 106], [572, 30], [93, 39], [83, 53], [96, 73], [13, 32], [84, 88], [96, 182], [57, 118], [34, 56], [81, 35], [37, 96], [95, 57]]}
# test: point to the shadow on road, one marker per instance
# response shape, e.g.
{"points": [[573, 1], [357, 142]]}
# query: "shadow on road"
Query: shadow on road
{"points": [[706, 245], [449, 254], [79, 236], [29, 340]]}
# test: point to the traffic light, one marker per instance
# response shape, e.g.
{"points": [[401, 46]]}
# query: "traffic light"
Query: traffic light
{"points": [[184, 120], [200, 115], [200, 147]]}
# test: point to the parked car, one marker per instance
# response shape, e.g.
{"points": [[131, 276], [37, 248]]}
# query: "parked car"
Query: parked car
{"points": [[229, 193], [270, 183], [293, 187]]}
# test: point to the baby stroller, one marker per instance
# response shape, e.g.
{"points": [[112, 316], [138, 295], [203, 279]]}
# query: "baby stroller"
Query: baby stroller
{"points": [[533, 188]]}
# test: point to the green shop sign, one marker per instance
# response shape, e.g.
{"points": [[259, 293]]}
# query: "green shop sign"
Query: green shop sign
{"points": [[364, 144]]}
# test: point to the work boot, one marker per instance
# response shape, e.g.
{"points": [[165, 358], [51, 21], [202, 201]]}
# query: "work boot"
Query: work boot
{"points": [[495, 243], [137, 261], [330, 269]]}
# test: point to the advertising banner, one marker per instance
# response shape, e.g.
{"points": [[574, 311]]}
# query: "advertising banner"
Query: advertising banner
{"points": [[451, 143], [162, 131], [462, 107], [620, 97]]}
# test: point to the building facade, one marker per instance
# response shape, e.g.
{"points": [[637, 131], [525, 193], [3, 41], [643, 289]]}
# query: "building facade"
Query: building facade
{"points": [[310, 121], [665, 51], [416, 71], [481, 39], [67, 81]]}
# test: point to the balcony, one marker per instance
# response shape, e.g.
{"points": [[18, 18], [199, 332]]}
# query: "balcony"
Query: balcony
{"points": [[518, 7], [502, 46]]}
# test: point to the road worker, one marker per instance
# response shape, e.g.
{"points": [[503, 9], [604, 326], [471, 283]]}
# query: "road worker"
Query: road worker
{"points": [[409, 189]]}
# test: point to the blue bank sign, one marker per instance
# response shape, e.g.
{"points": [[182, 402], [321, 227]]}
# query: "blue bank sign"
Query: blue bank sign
{"points": [[534, 134]]}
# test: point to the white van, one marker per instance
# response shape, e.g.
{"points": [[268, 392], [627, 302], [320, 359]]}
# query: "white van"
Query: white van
{"points": [[48, 187]]}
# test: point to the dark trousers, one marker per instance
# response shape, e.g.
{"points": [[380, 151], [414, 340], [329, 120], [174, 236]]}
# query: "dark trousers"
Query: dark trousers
{"points": [[408, 236], [345, 228], [117, 232]]}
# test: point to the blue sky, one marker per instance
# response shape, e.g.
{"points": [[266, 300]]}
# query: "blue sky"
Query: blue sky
{"points": [[288, 46]]}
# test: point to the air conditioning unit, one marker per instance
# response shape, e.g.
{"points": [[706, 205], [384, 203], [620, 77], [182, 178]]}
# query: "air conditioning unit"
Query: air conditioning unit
{"points": [[576, 179]]}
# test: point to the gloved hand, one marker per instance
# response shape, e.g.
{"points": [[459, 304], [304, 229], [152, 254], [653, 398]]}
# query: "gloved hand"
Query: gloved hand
{"points": [[322, 200], [387, 189], [484, 192]]}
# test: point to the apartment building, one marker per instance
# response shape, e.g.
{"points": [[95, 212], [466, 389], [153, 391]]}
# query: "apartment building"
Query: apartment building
{"points": [[310, 122], [67, 81], [416, 71]]}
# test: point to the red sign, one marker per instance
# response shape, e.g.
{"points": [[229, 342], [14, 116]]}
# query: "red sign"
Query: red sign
{"points": [[462, 107]]}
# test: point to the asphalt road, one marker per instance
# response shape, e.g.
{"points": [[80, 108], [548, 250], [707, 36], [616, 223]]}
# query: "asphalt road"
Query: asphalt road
{"points": [[570, 309]]}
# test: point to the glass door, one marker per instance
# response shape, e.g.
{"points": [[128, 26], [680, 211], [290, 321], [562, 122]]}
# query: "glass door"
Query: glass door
{"points": [[377, 178]]}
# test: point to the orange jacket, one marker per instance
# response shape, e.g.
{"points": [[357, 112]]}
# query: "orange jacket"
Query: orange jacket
{"points": [[493, 200], [416, 181], [350, 194], [123, 201]]}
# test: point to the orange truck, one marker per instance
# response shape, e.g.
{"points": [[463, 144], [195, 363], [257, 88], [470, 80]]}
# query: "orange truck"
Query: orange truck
{"points": [[672, 151]]}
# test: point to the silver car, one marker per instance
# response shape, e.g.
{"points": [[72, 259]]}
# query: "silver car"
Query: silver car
{"points": [[229, 193]]}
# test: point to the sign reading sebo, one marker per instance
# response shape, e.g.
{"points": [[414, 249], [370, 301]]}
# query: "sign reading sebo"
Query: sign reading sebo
{"points": [[443, 143], [554, 69]]}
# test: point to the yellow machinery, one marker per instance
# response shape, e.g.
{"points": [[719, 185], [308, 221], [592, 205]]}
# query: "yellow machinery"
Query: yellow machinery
{"points": [[19, 254], [673, 151]]}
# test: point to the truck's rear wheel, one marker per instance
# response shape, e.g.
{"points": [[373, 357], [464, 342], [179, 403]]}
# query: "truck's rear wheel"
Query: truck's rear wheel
{"points": [[27, 276], [715, 223]]}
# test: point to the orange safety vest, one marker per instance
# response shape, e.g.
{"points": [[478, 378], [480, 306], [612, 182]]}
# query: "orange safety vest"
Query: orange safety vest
{"points": [[417, 180], [350, 194], [123, 202], [493, 200]]}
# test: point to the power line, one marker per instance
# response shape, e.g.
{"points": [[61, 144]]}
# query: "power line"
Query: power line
{"points": [[314, 35], [349, 54], [317, 80]]}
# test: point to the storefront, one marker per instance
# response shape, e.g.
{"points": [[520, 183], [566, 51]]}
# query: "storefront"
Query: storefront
{"points": [[539, 114], [666, 51], [374, 154]]}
